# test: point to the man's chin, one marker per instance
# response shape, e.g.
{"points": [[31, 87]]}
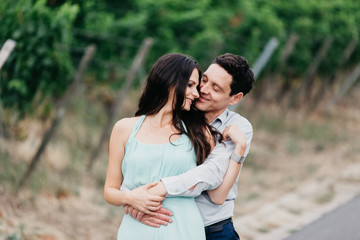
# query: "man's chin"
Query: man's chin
{"points": [[201, 106]]}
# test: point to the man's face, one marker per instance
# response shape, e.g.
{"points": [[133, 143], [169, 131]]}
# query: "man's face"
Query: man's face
{"points": [[215, 91]]}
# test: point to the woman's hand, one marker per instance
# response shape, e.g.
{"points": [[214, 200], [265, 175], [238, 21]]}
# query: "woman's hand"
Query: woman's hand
{"points": [[234, 134], [141, 199]]}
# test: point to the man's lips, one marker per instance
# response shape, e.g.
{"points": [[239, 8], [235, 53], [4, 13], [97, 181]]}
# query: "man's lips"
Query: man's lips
{"points": [[203, 99]]}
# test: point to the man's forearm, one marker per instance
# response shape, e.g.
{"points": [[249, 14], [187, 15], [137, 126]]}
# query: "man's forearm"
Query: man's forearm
{"points": [[207, 176]]}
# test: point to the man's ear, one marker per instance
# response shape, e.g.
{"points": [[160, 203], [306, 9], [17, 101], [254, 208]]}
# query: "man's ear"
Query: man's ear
{"points": [[236, 98]]}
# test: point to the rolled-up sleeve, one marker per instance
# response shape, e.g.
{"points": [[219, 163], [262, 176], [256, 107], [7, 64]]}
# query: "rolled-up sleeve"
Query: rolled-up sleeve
{"points": [[207, 176], [210, 174]]}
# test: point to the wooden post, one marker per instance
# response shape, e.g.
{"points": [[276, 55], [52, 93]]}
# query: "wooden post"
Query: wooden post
{"points": [[5, 51], [286, 52], [310, 73], [350, 48], [265, 55], [284, 56], [309, 76], [349, 51], [89, 53], [130, 77], [345, 86], [261, 61]]}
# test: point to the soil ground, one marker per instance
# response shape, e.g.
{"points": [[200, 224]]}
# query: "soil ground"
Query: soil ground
{"points": [[299, 168]]}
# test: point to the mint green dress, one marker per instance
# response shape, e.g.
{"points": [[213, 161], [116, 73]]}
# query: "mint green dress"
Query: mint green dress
{"points": [[144, 163]]}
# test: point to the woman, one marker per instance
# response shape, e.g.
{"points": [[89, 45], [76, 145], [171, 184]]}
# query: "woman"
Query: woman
{"points": [[167, 137]]}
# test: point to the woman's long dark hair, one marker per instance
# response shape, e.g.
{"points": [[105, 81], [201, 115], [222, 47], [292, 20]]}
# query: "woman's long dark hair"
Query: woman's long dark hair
{"points": [[173, 71]]}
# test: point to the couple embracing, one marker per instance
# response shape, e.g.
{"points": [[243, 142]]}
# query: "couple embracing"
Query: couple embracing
{"points": [[175, 165]]}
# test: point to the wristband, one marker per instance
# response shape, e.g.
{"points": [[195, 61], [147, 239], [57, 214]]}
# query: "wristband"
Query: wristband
{"points": [[237, 157]]}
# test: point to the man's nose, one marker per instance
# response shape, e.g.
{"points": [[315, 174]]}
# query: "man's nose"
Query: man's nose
{"points": [[204, 88]]}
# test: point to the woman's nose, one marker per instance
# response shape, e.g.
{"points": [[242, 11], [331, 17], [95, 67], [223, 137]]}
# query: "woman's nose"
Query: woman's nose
{"points": [[196, 93]]}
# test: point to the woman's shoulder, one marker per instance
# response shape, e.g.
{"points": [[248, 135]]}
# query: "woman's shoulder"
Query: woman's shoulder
{"points": [[126, 124], [122, 129]]}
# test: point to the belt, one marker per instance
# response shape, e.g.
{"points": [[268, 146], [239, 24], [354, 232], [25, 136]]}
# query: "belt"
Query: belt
{"points": [[217, 227]]}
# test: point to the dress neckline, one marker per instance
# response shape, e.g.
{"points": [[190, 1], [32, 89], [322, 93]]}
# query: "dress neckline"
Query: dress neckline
{"points": [[140, 122]]}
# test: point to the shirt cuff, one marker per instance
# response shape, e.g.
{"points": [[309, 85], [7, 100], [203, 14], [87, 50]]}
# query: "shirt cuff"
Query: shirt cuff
{"points": [[173, 186]]}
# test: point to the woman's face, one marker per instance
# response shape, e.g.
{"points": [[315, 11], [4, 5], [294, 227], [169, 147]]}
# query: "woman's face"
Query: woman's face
{"points": [[191, 90]]}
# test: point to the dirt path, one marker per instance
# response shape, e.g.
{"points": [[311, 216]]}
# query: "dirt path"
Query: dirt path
{"points": [[278, 218]]}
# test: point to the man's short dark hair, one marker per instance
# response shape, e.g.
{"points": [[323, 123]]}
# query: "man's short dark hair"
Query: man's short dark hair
{"points": [[238, 67]]}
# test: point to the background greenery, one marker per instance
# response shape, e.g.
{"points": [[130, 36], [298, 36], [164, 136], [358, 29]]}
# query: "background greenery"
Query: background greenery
{"points": [[289, 149], [51, 36]]}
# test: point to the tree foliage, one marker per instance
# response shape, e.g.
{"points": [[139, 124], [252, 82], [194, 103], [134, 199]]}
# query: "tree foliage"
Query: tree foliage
{"points": [[41, 64], [206, 28], [47, 33]]}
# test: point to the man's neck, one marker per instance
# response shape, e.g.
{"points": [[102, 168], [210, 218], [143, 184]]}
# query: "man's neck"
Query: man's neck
{"points": [[210, 116]]}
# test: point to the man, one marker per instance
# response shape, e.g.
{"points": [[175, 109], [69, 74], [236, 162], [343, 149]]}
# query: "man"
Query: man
{"points": [[226, 81]]}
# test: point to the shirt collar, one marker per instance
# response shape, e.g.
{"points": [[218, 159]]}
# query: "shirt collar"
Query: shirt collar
{"points": [[221, 118]]}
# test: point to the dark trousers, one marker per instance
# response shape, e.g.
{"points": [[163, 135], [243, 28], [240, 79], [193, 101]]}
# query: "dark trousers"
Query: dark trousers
{"points": [[221, 232]]}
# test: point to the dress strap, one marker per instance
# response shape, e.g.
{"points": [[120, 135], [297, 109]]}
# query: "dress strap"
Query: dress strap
{"points": [[184, 126], [136, 128]]}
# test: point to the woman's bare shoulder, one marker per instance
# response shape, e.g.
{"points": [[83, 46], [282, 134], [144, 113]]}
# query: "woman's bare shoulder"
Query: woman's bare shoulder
{"points": [[122, 130], [126, 124]]}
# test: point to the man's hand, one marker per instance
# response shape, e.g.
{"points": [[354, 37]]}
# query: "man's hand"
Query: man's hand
{"points": [[161, 217], [133, 212]]}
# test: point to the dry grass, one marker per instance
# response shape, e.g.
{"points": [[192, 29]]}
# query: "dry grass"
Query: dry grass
{"points": [[63, 201]]}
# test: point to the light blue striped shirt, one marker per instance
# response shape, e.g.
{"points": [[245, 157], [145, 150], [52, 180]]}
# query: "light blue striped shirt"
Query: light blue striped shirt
{"points": [[210, 174]]}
